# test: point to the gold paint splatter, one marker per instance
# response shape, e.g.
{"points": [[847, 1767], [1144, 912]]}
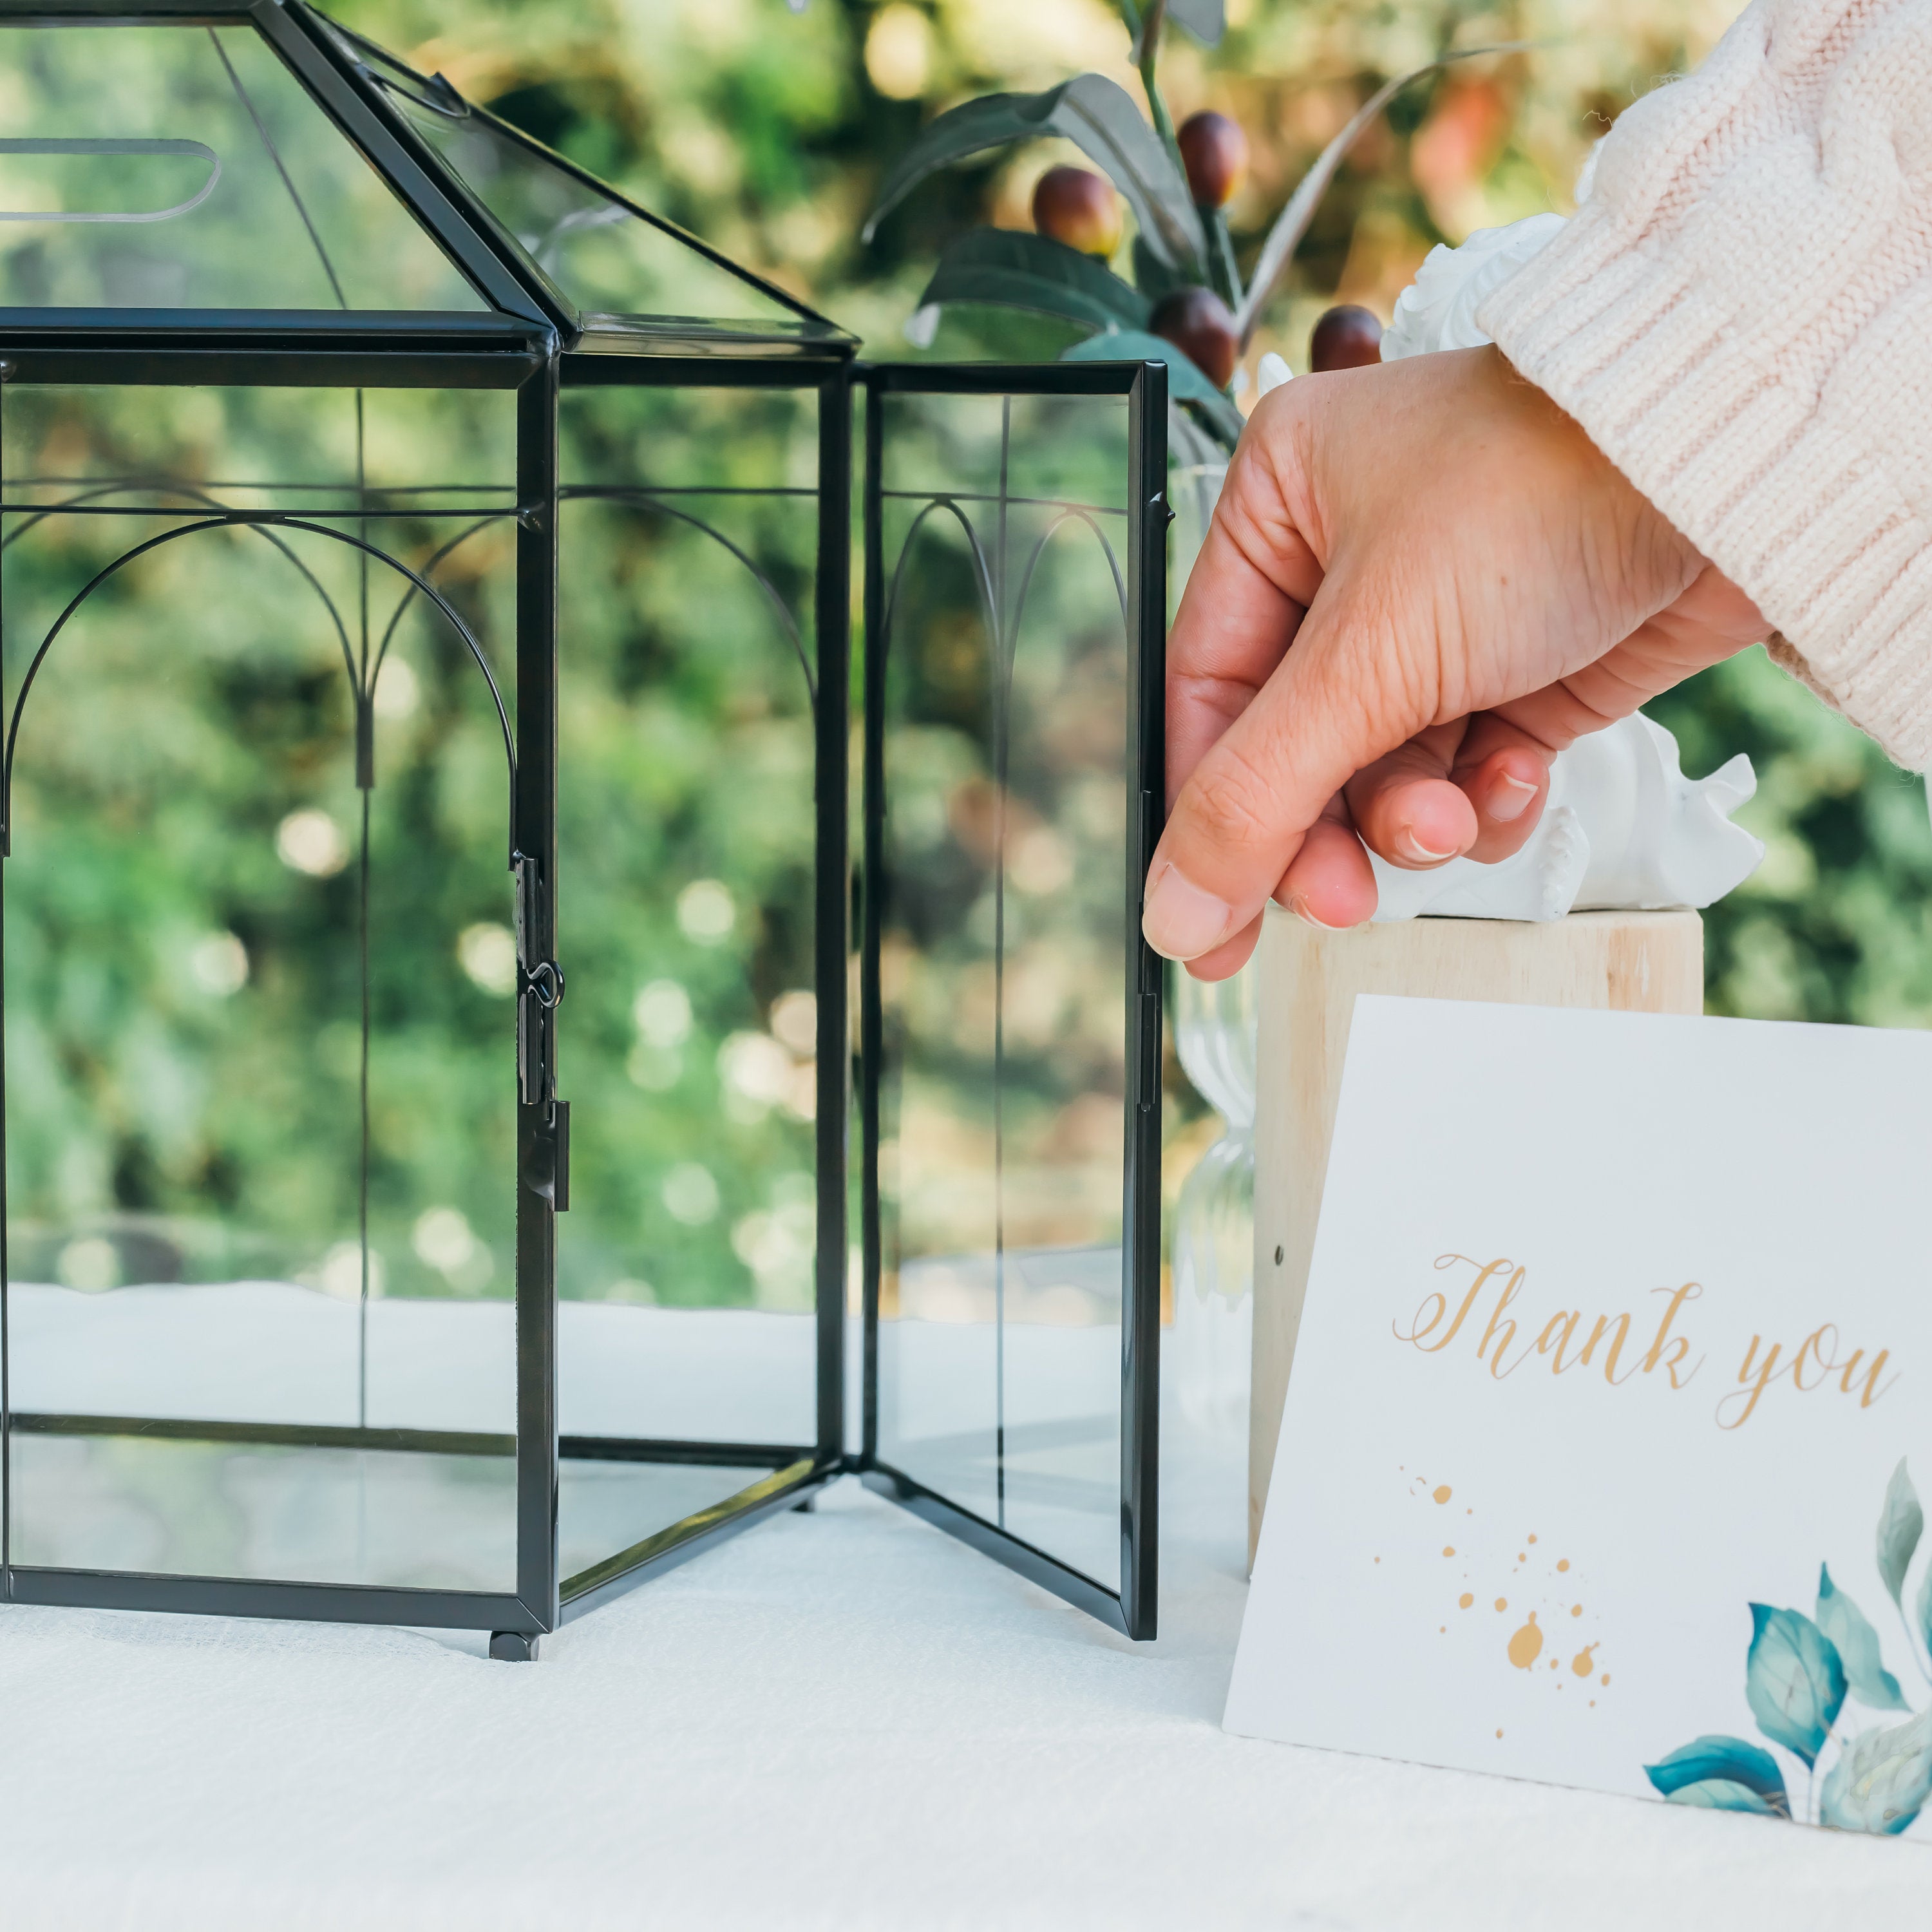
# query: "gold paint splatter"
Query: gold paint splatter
{"points": [[1552, 1665], [1575, 1610], [1448, 1550], [1463, 1602], [1502, 1602], [1442, 1630], [1563, 1563], [1532, 1536], [1527, 1644], [1499, 1734], [1593, 1703], [1441, 1492], [1522, 1556], [1607, 1677], [1469, 1512], [1583, 1663], [1378, 1559]]}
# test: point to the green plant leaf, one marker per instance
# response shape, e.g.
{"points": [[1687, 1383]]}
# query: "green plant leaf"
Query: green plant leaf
{"points": [[1718, 1759], [1009, 269], [1881, 1779], [1187, 382], [1203, 19], [1901, 1524], [1856, 1642], [1794, 1680], [1721, 1794], [1099, 118]]}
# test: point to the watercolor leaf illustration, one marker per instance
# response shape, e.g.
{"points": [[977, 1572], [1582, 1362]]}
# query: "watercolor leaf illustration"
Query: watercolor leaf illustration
{"points": [[1845, 1627], [1722, 1773], [1798, 1675], [1901, 1524], [1925, 1607], [1881, 1780], [1794, 1681]]}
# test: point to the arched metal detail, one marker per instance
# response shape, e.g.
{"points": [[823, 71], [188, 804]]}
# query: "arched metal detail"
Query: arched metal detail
{"points": [[647, 499], [408, 597], [162, 486], [983, 572], [245, 519], [1066, 517]]}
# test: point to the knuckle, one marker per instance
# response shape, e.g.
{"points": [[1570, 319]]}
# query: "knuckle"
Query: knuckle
{"points": [[1227, 807]]}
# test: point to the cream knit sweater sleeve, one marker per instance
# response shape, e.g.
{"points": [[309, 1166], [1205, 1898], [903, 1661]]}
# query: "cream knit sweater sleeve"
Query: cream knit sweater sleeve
{"points": [[1741, 316]]}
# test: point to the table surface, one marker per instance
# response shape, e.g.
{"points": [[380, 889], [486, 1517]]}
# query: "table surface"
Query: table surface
{"points": [[840, 1720]]}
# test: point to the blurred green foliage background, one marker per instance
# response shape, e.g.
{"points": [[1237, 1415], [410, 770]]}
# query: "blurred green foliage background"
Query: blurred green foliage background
{"points": [[765, 131]]}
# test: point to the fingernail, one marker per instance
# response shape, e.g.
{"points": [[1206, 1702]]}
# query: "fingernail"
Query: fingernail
{"points": [[1412, 848], [1511, 800], [1180, 921], [1298, 904]]}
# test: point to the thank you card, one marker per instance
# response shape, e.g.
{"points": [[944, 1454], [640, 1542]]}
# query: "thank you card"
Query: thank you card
{"points": [[1601, 1456]]}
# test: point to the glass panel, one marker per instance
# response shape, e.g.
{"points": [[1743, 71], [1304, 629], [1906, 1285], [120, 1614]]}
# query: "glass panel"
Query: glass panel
{"points": [[300, 1515], [1007, 733], [605, 1508], [604, 258], [258, 1015], [686, 838], [157, 166]]}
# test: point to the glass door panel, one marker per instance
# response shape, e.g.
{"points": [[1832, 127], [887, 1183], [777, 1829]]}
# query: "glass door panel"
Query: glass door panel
{"points": [[688, 918], [1013, 1020], [259, 985]]}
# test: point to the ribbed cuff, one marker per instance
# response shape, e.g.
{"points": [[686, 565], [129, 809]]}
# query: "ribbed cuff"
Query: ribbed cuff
{"points": [[1796, 510]]}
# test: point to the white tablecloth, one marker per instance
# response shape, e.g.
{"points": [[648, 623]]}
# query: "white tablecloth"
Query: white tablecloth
{"points": [[842, 1719]]}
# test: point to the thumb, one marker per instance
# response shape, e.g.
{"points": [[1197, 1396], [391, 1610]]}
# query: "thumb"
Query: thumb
{"points": [[1242, 816]]}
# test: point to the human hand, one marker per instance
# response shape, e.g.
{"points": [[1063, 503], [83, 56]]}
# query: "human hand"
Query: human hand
{"points": [[1468, 585]]}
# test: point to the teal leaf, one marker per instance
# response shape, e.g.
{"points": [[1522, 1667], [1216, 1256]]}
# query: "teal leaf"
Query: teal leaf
{"points": [[1186, 381], [1881, 1780], [1153, 276], [1008, 268], [1901, 1524], [1203, 19], [1721, 1794], [1794, 1680], [1856, 1642], [1716, 1759], [1099, 118], [1925, 1606]]}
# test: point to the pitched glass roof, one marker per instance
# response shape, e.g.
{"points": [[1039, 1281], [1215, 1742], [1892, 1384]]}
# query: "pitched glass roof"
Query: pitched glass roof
{"points": [[607, 257], [151, 161], [161, 165]]}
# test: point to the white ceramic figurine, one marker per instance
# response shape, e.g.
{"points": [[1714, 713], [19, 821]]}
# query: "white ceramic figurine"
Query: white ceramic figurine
{"points": [[1623, 826]]}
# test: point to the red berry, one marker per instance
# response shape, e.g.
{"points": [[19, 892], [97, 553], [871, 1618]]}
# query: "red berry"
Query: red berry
{"points": [[1074, 206], [1215, 153], [1197, 320], [1347, 337]]}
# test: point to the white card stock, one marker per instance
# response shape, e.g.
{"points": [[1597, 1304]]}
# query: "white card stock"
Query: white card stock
{"points": [[1597, 1465]]}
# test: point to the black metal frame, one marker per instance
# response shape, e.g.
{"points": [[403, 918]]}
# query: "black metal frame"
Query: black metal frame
{"points": [[532, 341], [1132, 1609]]}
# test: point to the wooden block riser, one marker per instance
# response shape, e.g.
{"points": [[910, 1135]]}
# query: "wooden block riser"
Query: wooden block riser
{"points": [[1635, 961]]}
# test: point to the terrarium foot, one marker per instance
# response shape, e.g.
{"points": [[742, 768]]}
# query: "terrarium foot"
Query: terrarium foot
{"points": [[513, 1646]]}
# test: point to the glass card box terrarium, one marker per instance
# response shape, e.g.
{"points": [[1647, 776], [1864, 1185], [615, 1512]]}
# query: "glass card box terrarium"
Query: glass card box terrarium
{"points": [[421, 571]]}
